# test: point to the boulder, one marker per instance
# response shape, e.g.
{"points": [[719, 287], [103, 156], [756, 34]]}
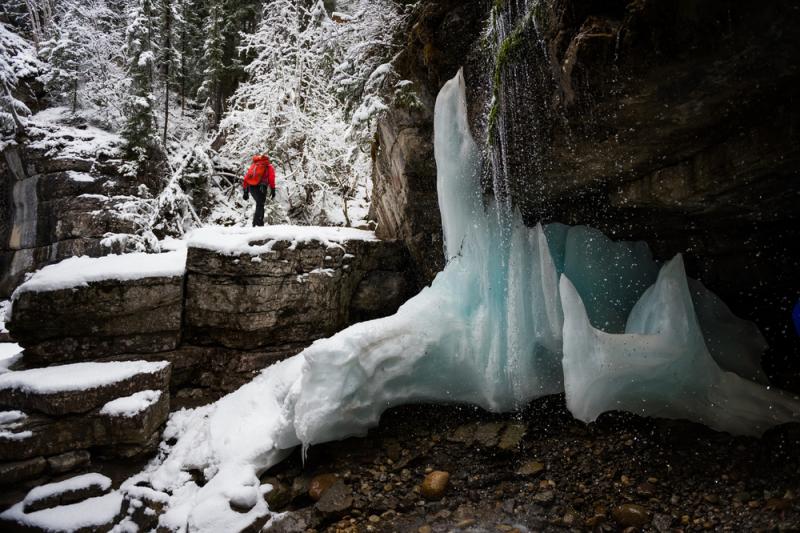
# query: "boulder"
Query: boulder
{"points": [[60, 412], [80, 387], [98, 319], [274, 292], [66, 492]]}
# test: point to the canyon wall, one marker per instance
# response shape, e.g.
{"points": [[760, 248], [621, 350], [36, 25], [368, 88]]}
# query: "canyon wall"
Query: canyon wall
{"points": [[671, 122]]}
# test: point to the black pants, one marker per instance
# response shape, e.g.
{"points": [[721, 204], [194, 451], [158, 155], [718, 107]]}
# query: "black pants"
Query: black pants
{"points": [[260, 197]]}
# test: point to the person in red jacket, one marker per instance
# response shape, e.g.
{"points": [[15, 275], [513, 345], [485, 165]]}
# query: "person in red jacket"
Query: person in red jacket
{"points": [[259, 177]]}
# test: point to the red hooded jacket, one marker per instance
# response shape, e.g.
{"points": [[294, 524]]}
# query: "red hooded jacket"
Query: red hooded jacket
{"points": [[261, 171]]}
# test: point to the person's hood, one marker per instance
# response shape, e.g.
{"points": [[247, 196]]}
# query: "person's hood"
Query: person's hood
{"points": [[260, 158]]}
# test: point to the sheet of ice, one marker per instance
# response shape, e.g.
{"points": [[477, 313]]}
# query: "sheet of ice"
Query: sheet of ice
{"points": [[237, 240], [77, 376], [660, 366], [85, 515], [76, 483], [488, 331], [131, 405], [82, 270]]}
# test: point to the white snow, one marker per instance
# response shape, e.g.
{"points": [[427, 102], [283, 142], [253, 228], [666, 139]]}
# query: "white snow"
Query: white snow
{"points": [[10, 353], [11, 418], [59, 139], [9, 421], [237, 241], [77, 376], [5, 307], [11, 435], [76, 483], [90, 513], [131, 405], [82, 270], [81, 177]]}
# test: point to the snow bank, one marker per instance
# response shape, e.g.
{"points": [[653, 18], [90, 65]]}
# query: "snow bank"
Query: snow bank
{"points": [[131, 405], [76, 483], [82, 270], [86, 515], [77, 376], [237, 241]]}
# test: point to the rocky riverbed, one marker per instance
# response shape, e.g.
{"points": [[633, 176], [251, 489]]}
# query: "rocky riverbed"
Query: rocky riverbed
{"points": [[437, 469]]}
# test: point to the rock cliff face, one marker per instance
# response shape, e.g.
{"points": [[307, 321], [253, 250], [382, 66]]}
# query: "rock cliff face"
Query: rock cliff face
{"points": [[671, 122], [59, 190]]}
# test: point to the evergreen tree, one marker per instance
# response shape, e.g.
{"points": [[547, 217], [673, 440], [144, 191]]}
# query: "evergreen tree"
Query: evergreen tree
{"points": [[210, 91], [139, 130], [166, 56], [63, 52]]}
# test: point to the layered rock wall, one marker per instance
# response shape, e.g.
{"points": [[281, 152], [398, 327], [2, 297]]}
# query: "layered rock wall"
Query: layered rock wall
{"points": [[228, 317]]}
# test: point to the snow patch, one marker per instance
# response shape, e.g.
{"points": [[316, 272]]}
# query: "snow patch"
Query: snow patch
{"points": [[255, 241], [132, 405], [82, 270], [88, 514], [77, 376], [73, 484]]}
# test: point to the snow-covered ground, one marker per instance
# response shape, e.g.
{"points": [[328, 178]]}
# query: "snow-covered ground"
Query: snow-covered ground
{"points": [[81, 270], [235, 241], [63, 140], [10, 352], [76, 376], [132, 405]]}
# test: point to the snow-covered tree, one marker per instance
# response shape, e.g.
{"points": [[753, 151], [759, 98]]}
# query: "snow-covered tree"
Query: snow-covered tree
{"points": [[139, 130], [308, 75], [18, 62]]}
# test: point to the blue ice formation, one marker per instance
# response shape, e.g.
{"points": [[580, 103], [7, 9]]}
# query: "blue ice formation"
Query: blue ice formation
{"points": [[517, 313]]}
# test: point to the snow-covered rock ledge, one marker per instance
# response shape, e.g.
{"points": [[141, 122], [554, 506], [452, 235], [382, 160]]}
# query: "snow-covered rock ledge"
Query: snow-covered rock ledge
{"points": [[288, 285], [88, 308], [246, 297]]}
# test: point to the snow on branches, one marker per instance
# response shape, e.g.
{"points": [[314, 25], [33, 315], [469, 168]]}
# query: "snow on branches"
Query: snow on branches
{"points": [[311, 99]]}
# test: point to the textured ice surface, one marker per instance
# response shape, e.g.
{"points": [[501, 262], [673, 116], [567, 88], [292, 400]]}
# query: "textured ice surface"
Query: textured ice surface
{"points": [[661, 366], [488, 331]]}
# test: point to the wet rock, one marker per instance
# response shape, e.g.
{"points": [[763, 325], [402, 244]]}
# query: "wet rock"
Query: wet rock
{"points": [[435, 484], [13, 472], [646, 489], [488, 435], [512, 436], [66, 462], [287, 523], [544, 497], [336, 499], [320, 484], [662, 522], [279, 497], [531, 468], [631, 515]]}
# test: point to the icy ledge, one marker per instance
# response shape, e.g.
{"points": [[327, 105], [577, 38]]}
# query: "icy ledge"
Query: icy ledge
{"points": [[489, 331]]}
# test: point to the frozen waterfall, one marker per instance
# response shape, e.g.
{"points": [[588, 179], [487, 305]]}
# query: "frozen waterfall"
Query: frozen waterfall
{"points": [[490, 331]]}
